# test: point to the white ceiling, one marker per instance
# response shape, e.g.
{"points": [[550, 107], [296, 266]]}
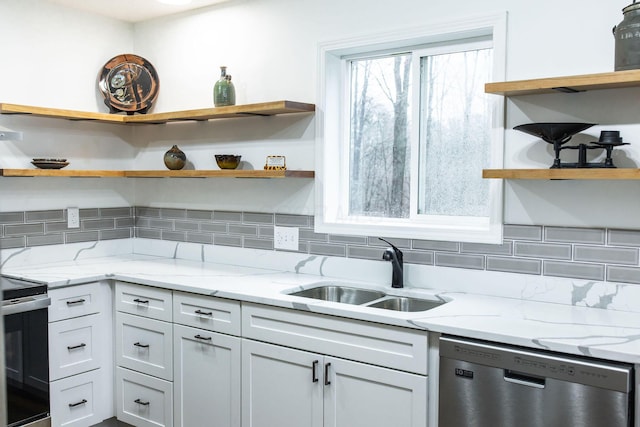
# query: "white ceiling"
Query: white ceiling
{"points": [[133, 10]]}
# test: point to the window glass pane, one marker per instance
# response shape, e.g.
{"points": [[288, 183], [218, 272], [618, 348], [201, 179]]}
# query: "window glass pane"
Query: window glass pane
{"points": [[379, 145], [455, 116]]}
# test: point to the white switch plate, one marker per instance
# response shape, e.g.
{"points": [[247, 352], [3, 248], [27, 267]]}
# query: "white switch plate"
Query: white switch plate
{"points": [[73, 218], [285, 238]]}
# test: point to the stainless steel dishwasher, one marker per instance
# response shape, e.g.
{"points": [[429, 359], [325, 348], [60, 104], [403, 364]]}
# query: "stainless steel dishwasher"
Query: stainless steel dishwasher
{"points": [[493, 385]]}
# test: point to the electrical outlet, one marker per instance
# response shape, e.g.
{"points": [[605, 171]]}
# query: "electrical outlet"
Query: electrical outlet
{"points": [[285, 238], [73, 218]]}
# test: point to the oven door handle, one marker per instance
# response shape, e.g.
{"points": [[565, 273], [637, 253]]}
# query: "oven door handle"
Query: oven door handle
{"points": [[29, 304]]}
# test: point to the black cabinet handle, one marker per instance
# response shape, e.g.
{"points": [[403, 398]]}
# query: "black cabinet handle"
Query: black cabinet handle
{"points": [[73, 347], [200, 337], [137, 344], [141, 301], [204, 313], [314, 371], [78, 301], [140, 402], [82, 402], [326, 374]]}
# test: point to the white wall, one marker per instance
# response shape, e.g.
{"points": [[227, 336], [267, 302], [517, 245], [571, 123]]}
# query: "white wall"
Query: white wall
{"points": [[270, 48]]}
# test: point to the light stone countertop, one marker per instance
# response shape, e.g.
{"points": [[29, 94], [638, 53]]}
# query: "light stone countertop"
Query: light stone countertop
{"points": [[606, 334]]}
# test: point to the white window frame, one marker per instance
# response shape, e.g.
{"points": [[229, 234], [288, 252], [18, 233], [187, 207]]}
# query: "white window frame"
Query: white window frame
{"points": [[332, 135]]}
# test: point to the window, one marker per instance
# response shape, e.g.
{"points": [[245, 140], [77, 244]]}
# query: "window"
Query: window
{"points": [[404, 132]]}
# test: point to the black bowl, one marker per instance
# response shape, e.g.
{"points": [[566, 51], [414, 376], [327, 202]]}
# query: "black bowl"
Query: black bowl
{"points": [[554, 132]]}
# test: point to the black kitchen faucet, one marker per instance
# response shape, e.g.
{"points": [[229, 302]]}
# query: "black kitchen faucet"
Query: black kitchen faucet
{"points": [[394, 255]]}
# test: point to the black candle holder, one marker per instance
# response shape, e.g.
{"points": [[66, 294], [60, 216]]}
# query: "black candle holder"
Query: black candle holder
{"points": [[559, 134]]}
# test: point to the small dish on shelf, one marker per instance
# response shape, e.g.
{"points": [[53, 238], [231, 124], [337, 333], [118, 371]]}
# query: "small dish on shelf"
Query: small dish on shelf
{"points": [[227, 161], [49, 163]]}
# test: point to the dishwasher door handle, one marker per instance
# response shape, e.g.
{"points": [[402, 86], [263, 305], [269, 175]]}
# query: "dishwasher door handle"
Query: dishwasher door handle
{"points": [[523, 379]]}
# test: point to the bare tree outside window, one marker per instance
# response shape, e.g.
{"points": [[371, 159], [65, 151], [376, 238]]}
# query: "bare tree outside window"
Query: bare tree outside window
{"points": [[455, 134], [379, 137]]}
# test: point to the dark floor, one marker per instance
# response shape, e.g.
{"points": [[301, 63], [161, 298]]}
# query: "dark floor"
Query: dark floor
{"points": [[112, 422]]}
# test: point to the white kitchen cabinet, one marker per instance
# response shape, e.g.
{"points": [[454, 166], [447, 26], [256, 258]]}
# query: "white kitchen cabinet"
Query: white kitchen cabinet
{"points": [[292, 388], [80, 357], [144, 355], [146, 301], [362, 373], [143, 400], [361, 395], [144, 345], [393, 347], [79, 400], [75, 346], [206, 378], [279, 387]]}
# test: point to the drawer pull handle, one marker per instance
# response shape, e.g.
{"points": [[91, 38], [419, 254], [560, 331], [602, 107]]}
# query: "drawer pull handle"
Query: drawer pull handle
{"points": [[73, 347], [200, 337], [140, 402], [326, 374], [204, 313], [78, 301], [314, 369], [82, 402], [141, 301], [137, 344]]}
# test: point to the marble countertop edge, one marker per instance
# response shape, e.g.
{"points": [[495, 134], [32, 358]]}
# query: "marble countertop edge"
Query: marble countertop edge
{"points": [[594, 332]]}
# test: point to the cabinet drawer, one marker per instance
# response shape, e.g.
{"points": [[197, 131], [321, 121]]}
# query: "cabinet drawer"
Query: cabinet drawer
{"points": [[146, 301], [75, 346], [143, 400], [376, 344], [76, 401], [212, 314], [74, 301], [144, 345]]}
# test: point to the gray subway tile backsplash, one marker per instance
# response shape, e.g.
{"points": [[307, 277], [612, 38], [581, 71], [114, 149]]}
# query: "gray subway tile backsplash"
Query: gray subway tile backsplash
{"points": [[623, 274], [24, 229], [542, 250], [585, 253], [574, 235], [475, 262], [49, 239], [514, 265], [522, 232], [573, 270], [436, 245], [10, 217], [624, 237], [606, 254], [82, 236], [505, 248], [53, 215]]}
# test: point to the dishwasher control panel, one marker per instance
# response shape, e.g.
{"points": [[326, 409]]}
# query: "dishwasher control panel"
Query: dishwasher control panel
{"points": [[541, 364]]}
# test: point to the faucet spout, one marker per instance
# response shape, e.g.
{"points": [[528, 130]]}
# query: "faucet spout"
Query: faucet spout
{"points": [[394, 255]]}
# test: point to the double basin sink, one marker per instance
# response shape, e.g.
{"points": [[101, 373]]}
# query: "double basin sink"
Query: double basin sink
{"points": [[367, 297]]}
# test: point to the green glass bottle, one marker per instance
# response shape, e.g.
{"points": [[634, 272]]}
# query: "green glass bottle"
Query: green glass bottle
{"points": [[224, 93]]}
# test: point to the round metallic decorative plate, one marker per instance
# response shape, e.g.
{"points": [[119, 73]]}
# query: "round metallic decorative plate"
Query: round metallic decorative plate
{"points": [[128, 83]]}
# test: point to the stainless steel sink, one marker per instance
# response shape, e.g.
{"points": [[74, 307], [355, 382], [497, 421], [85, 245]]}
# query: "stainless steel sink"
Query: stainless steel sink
{"points": [[406, 304], [344, 294]]}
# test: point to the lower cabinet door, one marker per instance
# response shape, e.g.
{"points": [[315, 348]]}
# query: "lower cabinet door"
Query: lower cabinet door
{"points": [[281, 387], [75, 346], [206, 378], [76, 401], [142, 400], [361, 395]]}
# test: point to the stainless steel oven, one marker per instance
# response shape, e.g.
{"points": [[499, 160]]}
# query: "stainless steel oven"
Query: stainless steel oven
{"points": [[26, 356]]}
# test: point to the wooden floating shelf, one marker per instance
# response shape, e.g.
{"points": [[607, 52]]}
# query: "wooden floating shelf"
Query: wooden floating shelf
{"points": [[235, 111], [583, 173], [568, 84], [156, 173]]}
